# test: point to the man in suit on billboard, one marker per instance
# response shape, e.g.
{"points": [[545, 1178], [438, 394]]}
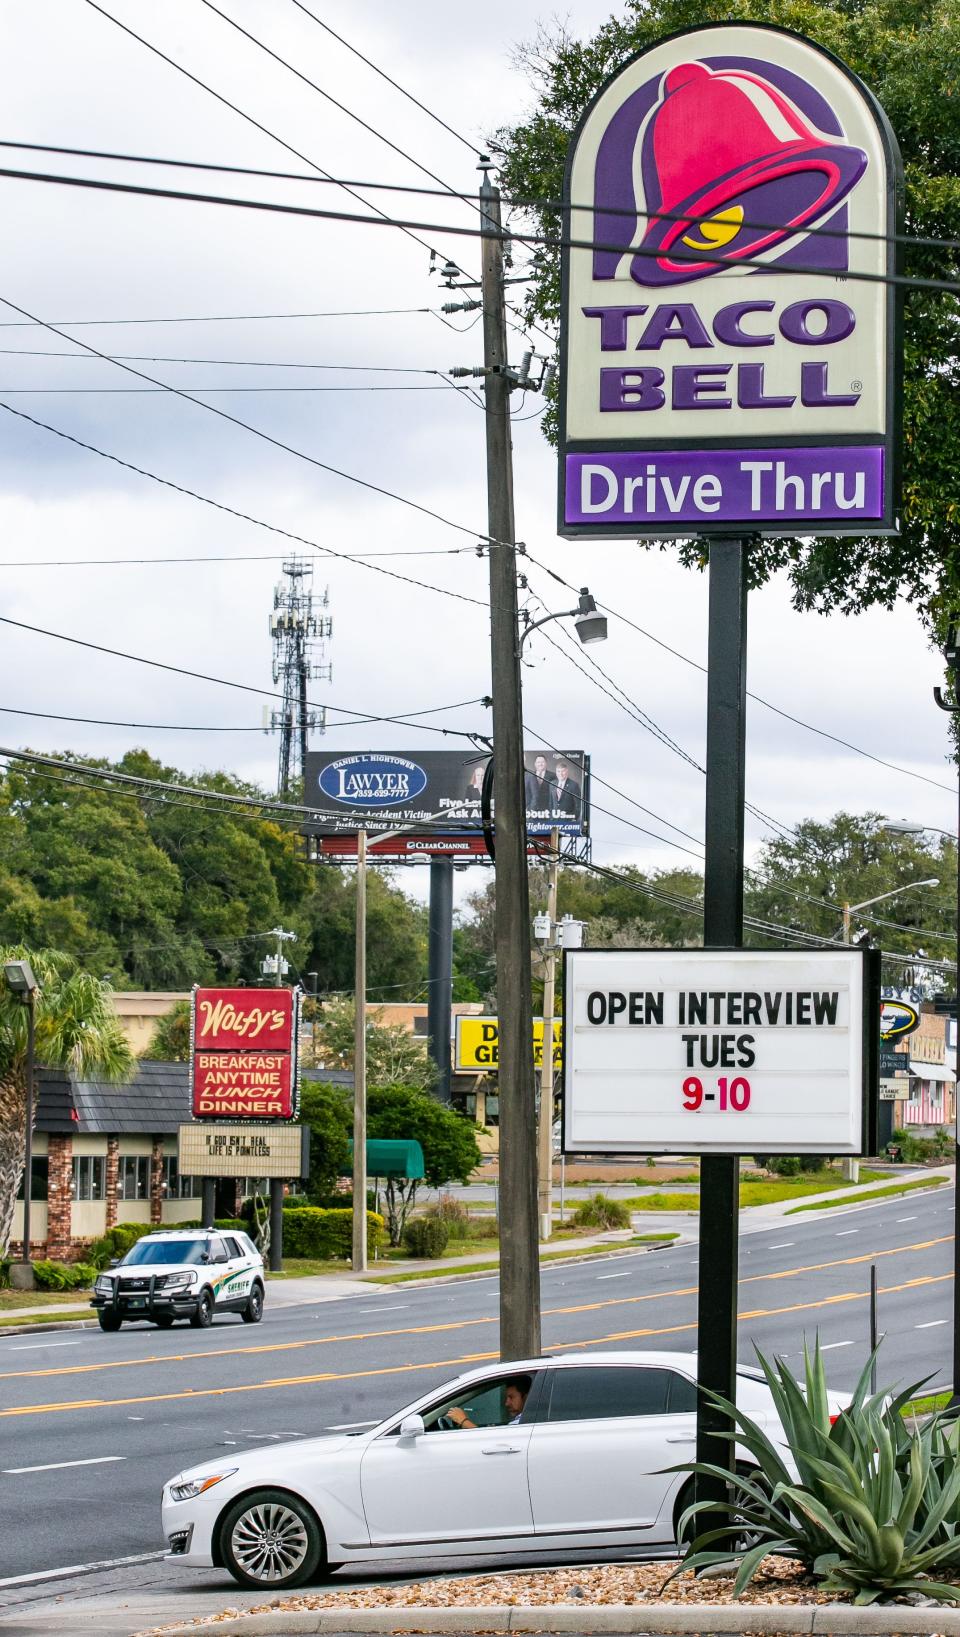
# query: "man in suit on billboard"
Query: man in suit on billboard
{"points": [[538, 786], [566, 794]]}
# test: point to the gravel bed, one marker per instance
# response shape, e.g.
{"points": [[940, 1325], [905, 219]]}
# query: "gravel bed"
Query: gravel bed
{"points": [[781, 1581]]}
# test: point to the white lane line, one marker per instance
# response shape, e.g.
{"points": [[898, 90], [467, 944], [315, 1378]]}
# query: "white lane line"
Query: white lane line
{"points": [[136, 1418], [612, 1276], [395, 1307], [931, 1324], [31, 1347], [846, 1232], [828, 1346], [786, 1244], [57, 1466], [348, 1426], [906, 1219], [71, 1569]]}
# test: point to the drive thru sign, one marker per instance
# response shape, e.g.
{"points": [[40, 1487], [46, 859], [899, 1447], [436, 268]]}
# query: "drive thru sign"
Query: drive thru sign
{"points": [[719, 1051]]}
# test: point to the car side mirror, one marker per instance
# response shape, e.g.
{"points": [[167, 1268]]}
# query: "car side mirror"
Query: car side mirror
{"points": [[114, 1261], [412, 1426], [205, 1256]]}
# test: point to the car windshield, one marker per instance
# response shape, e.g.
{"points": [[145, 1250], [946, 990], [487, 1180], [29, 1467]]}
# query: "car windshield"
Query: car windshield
{"points": [[165, 1250]]}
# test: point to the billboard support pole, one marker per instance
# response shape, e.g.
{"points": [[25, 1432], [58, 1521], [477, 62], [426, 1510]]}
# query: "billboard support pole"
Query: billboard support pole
{"points": [[722, 928], [519, 1252], [440, 970], [359, 1259], [208, 1208]]}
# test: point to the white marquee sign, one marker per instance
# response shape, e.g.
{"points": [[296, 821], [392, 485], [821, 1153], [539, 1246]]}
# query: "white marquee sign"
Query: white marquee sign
{"points": [[716, 1051]]}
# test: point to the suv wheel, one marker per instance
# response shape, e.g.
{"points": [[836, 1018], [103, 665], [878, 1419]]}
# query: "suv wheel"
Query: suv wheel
{"points": [[203, 1317], [253, 1312], [271, 1539], [109, 1321]]}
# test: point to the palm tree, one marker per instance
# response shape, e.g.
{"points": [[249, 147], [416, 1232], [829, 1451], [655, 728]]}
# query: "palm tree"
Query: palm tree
{"points": [[76, 1028]]}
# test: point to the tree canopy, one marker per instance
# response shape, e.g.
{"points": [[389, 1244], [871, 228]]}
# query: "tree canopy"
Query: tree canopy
{"points": [[76, 1028], [161, 894], [909, 56]]}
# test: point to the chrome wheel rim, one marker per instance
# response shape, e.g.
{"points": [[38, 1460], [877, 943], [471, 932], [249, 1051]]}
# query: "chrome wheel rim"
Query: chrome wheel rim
{"points": [[270, 1542]]}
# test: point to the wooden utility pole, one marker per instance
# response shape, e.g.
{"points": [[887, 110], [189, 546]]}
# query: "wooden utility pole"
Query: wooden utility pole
{"points": [[519, 1241]]}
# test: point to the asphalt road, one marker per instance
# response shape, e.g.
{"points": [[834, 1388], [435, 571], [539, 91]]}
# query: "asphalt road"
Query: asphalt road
{"points": [[91, 1425]]}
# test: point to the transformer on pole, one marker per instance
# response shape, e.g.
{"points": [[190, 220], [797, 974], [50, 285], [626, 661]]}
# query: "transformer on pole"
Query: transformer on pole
{"points": [[300, 638]]}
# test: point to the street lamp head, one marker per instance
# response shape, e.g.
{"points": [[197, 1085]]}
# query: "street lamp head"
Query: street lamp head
{"points": [[19, 978], [591, 626], [903, 827]]}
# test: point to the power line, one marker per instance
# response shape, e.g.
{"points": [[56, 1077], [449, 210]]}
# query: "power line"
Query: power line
{"points": [[238, 363], [407, 225], [201, 727], [204, 86], [385, 76], [228, 557], [220, 318], [532, 202], [233, 511], [100, 392], [758, 699], [202, 676], [277, 443], [262, 46]]}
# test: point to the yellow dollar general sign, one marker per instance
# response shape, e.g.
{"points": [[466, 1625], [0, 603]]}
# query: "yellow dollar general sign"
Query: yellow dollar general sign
{"points": [[478, 1044]]}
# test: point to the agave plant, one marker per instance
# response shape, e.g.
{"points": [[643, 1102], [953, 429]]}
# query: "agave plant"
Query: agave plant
{"points": [[870, 1507]]}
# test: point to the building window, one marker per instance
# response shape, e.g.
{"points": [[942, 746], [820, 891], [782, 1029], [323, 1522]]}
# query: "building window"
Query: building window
{"points": [[39, 1179], [88, 1176], [133, 1176], [174, 1185]]}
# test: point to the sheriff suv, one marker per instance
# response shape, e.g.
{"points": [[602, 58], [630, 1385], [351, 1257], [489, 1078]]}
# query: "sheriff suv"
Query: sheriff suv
{"points": [[182, 1273]]}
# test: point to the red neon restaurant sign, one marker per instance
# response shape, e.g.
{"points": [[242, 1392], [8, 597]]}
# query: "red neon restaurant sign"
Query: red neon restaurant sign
{"points": [[243, 1061]]}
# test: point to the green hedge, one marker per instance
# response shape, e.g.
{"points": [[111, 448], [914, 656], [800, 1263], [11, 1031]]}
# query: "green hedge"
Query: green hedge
{"points": [[116, 1242], [322, 1235], [63, 1275]]}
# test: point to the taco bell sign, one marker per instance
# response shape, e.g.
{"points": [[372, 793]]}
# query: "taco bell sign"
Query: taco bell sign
{"points": [[729, 345]]}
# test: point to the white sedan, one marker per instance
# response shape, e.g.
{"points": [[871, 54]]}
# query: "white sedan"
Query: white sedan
{"points": [[551, 1454]]}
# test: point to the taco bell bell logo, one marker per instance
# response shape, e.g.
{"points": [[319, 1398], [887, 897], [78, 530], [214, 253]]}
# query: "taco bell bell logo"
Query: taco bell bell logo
{"points": [[730, 192], [727, 152]]}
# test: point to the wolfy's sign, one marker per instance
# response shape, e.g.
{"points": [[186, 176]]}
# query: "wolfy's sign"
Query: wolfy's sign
{"points": [[729, 345], [720, 1051]]}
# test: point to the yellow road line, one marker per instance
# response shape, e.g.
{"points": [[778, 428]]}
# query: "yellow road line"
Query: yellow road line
{"points": [[435, 1364], [455, 1324]]}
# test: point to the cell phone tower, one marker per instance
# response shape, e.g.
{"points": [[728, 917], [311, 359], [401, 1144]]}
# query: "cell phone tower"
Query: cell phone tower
{"points": [[300, 638]]}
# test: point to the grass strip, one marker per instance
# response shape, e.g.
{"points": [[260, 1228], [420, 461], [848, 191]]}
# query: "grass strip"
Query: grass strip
{"points": [[545, 1256], [39, 1317], [873, 1193], [753, 1193], [926, 1406]]}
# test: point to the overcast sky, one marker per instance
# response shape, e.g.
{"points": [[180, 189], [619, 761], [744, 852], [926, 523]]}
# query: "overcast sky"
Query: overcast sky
{"points": [[71, 77]]}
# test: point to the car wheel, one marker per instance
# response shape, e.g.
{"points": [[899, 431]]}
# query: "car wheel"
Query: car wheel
{"points": [[686, 1498], [163, 1320], [253, 1312], [203, 1317], [109, 1321], [271, 1539]]}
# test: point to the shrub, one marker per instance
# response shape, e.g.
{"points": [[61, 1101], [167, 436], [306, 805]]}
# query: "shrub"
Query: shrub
{"points": [[226, 1224], [62, 1275], [876, 1506], [449, 1209], [426, 1236], [325, 1235], [116, 1242], [6, 1263], [785, 1165], [600, 1211]]}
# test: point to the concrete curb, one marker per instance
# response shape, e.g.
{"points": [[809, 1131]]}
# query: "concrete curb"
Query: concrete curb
{"points": [[36, 1329], [828, 1618]]}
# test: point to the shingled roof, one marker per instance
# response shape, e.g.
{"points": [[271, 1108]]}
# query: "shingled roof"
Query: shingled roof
{"points": [[156, 1101]]}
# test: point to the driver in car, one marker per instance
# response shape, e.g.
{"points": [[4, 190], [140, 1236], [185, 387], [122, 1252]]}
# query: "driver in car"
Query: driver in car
{"points": [[514, 1398]]}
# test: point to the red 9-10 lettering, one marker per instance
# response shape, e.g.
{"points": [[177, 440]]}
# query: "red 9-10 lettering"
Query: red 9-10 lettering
{"points": [[730, 1094]]}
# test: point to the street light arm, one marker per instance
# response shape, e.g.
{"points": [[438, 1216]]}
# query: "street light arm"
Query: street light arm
{"points": [[852, 908], [534, 625]]}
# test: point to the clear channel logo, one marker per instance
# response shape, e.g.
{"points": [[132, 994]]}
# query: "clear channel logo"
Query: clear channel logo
{"points": [[372, 781]]}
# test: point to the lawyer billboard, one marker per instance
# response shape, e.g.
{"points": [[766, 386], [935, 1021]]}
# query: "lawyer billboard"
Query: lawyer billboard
{"points": [[720, 1051], [729, 337], [243, 1053], [434, 796]]}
